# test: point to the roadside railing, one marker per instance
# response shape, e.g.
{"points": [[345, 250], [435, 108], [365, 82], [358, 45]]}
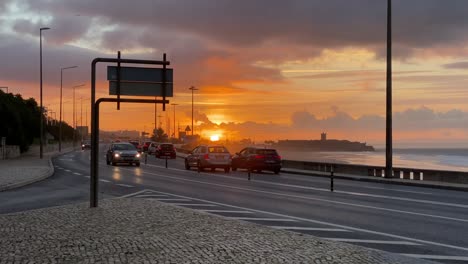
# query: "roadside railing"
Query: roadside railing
{"points": [[379, 171]]}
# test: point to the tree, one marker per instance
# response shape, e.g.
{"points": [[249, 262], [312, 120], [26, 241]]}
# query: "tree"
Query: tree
{"points": [[160, 135]]}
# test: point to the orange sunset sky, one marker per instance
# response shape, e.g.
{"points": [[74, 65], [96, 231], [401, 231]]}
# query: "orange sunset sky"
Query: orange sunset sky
{"points": [[265, 70]]}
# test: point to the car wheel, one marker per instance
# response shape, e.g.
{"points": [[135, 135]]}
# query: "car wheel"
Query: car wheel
{"points": [[213, 169], [187, 166], [276, 171], [113, 163], [259, 171], [137, 164], [227, 169], [234, 168], [107, 161]]}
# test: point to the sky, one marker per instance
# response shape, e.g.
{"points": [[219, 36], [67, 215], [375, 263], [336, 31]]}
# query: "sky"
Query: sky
{"points": [[264, 69]]}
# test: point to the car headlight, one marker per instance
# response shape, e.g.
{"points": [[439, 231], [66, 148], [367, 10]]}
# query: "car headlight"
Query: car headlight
{"points": [[116, 155], [138, 155], [82, 146]]}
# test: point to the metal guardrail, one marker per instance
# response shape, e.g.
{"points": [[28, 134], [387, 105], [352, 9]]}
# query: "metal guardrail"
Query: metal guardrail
{"points": [[379, 171]]}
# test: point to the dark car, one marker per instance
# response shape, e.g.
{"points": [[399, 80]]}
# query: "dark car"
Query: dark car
{"points": [[136, 144], [146, 146], [209, 157], [165, 151], [86, 144], [122, 153], [257, 159]]}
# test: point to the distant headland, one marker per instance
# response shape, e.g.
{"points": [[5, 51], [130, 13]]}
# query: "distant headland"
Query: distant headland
{"points": [[323, 144]]}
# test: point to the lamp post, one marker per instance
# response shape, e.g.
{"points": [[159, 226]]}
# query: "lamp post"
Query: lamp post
{"points": [[388, 132], [41, 133], [60, 115], [174, 120], [193, 89], [74, 115]]}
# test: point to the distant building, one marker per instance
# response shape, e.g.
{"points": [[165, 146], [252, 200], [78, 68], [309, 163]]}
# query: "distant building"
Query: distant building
{"points": [[323, 136]]}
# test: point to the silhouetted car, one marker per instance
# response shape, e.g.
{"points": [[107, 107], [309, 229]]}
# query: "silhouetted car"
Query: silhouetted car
{"points": [[257, 159], [146, 146], [122, 153], [165, 151], [209, 157], [136, 144], [86, 144]]}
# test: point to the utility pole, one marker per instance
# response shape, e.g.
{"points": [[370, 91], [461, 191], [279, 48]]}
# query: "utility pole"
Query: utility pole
{"points": [[193, 89], [174, 120], [388, 143], [41, 133]]}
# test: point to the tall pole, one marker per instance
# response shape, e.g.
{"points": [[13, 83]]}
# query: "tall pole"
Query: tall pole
{"points": [[155, 115], [388, 145], [81, 118], [41, 133], [74, 115], [174, 120], [61, 86], [193, 89]]}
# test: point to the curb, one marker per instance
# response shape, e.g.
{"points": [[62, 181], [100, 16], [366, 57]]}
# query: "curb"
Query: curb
{"points": [[357, 178], [41, 177]]}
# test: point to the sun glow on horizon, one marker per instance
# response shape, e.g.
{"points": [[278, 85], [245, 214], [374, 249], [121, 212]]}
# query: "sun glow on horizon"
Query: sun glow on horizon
{"points": [[214, 138]]}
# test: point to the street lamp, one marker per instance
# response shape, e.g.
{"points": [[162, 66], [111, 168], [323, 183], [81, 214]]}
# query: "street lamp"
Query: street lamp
{"points": [[174, 119], [41, 133], [388, 132], [74, 115], [60, 124], [193, 89]]}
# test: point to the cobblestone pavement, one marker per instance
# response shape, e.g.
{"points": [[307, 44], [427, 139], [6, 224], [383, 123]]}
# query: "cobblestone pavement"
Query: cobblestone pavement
{"points": [[147, 231]]}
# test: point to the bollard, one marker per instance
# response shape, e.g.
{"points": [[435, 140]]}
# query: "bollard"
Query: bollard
{"points": [[248, 173], [198, 166], [166, 162], [146, 157], [331, 178]]}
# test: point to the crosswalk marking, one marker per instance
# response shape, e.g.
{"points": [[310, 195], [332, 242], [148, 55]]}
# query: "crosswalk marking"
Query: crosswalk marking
{"points": [[350, 240], [190, 204], [437, 257], [104, 180], [125, 185], [76, 173], [303, 228], [263, 219], [226, 211], [68, 170]]}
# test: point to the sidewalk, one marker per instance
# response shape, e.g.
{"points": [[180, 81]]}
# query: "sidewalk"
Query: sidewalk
{"points": [[27, 169], [147, 231]]}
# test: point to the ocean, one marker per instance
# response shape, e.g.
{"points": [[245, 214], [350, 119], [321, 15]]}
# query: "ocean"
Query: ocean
{"points": [[455, 159]]}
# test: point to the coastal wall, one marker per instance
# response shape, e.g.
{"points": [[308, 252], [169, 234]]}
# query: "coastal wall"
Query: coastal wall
{"points": [[379, 171]]}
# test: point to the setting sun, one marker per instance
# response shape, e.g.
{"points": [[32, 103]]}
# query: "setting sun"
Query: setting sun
{"points": [[214, 138]]}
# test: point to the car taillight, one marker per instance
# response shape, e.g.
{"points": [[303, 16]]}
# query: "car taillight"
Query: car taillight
{"points": [[206, 156], [259, 157], [278, 157]]}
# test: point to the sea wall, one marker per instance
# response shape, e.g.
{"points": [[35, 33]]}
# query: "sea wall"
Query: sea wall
{"points": [[379, 171]]}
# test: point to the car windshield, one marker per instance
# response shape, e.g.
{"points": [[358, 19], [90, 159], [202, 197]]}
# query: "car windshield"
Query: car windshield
{"points": [[166, 146], [217, 150], [124, 147]]}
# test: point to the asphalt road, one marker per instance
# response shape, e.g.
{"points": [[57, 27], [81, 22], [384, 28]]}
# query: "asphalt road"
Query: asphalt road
{"points": [[420, 222]]}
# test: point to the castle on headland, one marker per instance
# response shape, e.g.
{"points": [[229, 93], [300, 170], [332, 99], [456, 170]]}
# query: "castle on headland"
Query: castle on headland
{"points": [[323, 144]]}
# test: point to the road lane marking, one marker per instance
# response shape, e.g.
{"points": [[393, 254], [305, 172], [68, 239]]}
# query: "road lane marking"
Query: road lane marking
{"points": [[309, 198], [76, 173], [436, 257], [328, 190], [368, 241], [68, 170], [226, 211], [104, 180], [263, 219], [133, 194], [124, 185], [303, 228], [325, 223], [150, 195], [197, 205], [171, 200], [87, 176]]}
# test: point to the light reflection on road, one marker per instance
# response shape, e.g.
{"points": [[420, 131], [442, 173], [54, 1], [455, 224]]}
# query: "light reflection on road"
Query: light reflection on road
{"points": [[117, 174]]}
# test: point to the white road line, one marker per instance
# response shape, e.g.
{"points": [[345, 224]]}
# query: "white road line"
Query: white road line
{"points": [[197, 205], [350, 240], [310, 228], [87, 176], [226, 211], [150, 195], [124, 185], [133, 194], [68, 170], [325, 223], [309, 198], [263, 219], [171, 200], [76, 173], [437, 257], [104, 181]]}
